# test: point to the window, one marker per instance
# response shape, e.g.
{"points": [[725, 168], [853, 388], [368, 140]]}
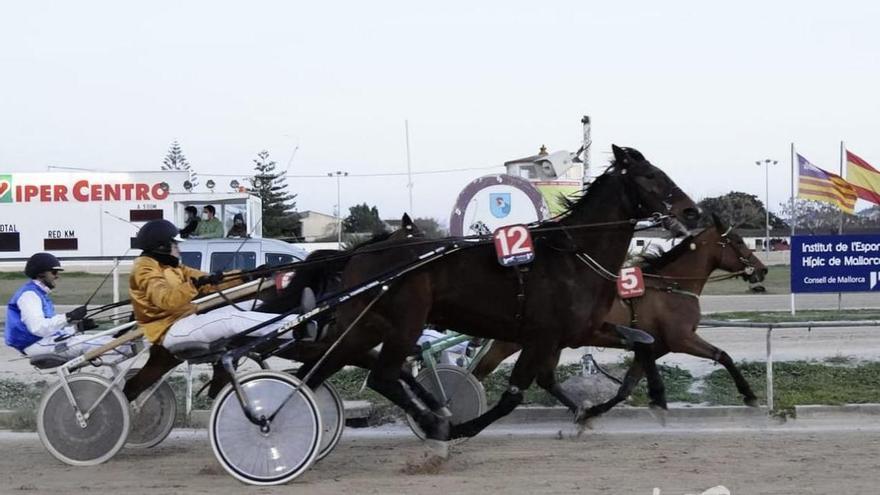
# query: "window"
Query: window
{"points": [[275, 259], [145, 215], [10, 241], [640, 243], [192, 259], [244, 260], [60, 244]]}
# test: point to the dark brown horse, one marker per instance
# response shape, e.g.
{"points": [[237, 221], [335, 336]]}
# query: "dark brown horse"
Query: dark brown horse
{"points": [[558, 301], [670, 308]]}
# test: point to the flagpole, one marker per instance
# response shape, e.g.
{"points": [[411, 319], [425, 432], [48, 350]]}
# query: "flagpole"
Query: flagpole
{"points": [[793, 220], [840, 224]]}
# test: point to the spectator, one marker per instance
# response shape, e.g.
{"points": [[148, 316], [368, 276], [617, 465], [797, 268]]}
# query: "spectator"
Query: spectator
{"points": [[239, 229], [209, 227], [192, 221]]}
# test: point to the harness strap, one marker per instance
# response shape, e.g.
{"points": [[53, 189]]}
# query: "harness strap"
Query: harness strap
{"points": [[521, 270]]}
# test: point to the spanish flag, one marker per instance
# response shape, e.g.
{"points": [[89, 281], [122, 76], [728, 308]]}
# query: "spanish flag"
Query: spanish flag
{"points": [[819, 185], [864, 178]]}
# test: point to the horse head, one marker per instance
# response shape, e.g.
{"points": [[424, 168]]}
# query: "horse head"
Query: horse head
{"points": [[657, 194], [734, 255]]}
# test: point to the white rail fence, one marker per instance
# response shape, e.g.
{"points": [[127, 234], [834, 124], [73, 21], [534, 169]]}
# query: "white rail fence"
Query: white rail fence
{"points": [[785, 324]]}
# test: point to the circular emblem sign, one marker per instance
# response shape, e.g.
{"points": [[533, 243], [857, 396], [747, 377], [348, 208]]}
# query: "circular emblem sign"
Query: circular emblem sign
{"points": [[494, 201]]}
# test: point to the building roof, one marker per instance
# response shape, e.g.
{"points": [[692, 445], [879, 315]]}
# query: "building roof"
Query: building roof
{"points": [[310, 213]]}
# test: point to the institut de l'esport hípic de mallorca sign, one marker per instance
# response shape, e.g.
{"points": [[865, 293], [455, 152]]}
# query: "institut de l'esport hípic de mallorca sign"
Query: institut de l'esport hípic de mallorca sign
{"points": [[835, 263]]}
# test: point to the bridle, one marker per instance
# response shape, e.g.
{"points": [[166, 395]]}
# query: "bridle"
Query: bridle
{"points": [[748, 267]]}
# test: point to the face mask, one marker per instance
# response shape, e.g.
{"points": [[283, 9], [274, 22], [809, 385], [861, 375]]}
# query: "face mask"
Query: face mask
{"points": [[205, 216]]}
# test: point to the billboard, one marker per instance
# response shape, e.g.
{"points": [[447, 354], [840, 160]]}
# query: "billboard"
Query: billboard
{"points": [[835, 263]]}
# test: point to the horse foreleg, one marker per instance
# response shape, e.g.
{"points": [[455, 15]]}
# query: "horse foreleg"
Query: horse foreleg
{"points": [[521, 378], [656, 389], [696, 346], [546, 379], [633, 375]]}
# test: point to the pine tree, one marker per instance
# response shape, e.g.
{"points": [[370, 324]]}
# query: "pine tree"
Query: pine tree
{"points": [[363, 219], [279, 219], [175, 160]]}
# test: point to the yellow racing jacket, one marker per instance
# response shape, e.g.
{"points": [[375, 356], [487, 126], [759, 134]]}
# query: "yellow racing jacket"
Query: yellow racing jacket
{"points": [[161, 294]]}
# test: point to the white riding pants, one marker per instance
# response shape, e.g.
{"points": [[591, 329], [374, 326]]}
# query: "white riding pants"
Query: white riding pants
{"points": [[218, 324], [70, 347]]}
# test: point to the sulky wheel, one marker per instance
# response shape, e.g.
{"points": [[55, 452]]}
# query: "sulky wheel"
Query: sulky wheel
{"points": [[332, 417], [91, 439], [289, 445], [152, 419], [465, 396]]}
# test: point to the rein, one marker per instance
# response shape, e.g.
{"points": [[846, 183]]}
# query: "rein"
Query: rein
{"points": [[470, 241]]}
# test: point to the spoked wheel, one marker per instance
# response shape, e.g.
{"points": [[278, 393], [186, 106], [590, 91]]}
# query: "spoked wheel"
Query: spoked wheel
{"points": [[465, 396], [89, 440], [289, 445], [154, 419], [332, 417]]}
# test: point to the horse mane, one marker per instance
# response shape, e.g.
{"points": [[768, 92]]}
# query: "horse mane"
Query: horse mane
{"points": [[571, 202]]}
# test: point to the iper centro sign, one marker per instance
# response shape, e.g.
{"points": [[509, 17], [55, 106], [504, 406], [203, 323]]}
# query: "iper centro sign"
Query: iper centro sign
{"points": [[835, 263], [19, 189]]}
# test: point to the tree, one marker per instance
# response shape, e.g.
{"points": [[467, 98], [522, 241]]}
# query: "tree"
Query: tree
{"points": [[175, 160], [739, 209], [430, 227], [820, 218], [279, 219], [363, 218]]}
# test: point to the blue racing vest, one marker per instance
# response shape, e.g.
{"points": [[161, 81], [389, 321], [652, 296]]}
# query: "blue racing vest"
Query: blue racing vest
{"points": [[17, 334]]}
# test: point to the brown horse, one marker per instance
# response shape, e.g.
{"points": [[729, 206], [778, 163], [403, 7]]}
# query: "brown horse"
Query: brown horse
{"points": [[558, 301], [670, 308]]}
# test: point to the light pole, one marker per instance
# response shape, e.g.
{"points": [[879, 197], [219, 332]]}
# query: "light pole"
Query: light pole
{"points": [[339, 175], [766, 162]]}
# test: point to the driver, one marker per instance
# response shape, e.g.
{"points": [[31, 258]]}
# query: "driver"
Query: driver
{"points": [[32, 327], [162, 290]]}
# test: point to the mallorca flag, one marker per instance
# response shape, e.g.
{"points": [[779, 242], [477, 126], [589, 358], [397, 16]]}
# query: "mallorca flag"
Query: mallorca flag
{"points": [[819, 185], [864, 178]]}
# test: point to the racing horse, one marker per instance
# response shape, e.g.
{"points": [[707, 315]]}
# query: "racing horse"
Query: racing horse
{"points": [[557, 301], [670, 308]]}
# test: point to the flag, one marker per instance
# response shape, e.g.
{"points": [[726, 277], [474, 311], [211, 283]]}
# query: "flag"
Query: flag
{"points": [[819, 185], [864, 178]]}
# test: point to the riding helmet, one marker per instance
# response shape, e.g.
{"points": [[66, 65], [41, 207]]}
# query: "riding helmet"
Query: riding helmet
{"points": [[41, 262], [157, 235]]}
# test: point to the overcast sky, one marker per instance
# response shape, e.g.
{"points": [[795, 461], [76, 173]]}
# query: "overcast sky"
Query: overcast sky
{"points": [[702, 89]]}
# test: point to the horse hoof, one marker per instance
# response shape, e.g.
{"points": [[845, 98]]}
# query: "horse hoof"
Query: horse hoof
{"points": [[751, 401], [437, 448], [658, 413]]}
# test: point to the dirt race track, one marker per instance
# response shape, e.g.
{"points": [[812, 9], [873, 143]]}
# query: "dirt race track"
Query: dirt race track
{"points": [[745, 461]]}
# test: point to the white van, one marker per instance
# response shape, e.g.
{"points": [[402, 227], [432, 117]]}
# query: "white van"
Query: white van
{"points": [[211, 255]]}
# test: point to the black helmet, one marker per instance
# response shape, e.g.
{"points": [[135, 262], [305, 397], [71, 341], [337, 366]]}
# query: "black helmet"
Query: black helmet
{"points": [[41, 262], [157, 235]]}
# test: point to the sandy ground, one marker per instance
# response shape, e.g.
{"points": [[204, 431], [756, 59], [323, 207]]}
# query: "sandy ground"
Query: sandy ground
{"points": [[372, 461]]}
